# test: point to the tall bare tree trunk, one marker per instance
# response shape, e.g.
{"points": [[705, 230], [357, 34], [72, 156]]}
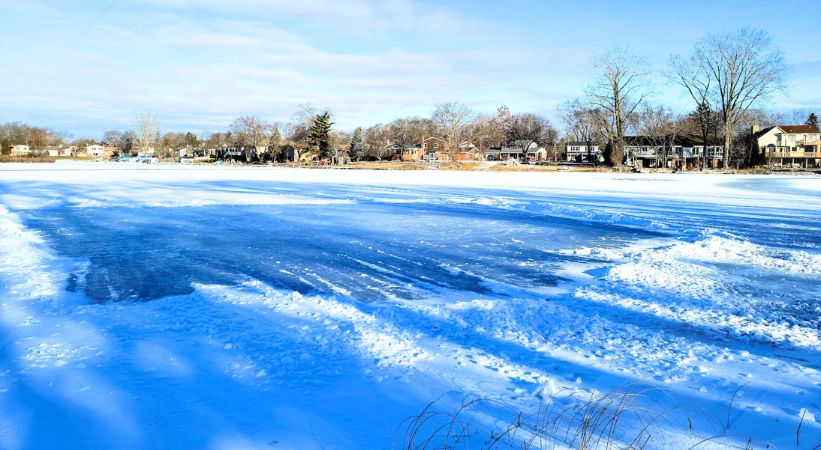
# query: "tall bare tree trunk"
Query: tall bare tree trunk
{"points": [[728, 142]]}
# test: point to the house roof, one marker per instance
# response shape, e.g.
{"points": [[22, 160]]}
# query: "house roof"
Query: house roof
{"points": [[799, 129], [762, 132], [581, 143], [641, 140], [696, 141]]}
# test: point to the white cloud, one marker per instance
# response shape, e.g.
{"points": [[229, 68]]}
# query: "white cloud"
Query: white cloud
{"points": [[202, 73]]}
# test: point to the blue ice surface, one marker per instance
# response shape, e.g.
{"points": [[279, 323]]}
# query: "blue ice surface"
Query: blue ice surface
{"points": [[449, 243], [145, 253]]}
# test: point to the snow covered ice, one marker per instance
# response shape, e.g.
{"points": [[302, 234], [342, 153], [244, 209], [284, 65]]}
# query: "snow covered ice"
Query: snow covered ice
{"points": [[205, 307]]}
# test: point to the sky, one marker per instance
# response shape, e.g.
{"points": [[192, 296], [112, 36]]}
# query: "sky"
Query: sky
{"points": [[84, 67]]}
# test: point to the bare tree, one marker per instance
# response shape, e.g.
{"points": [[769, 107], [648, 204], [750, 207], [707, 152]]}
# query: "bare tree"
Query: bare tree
{"points": [[251, 133], [501, 123], [112, 138], [453, 122], [172, 141], [11, 134], [528, 129], [484, 132], [148, 132], [378, 142], [688, 74], [615, 96], [582, 124], [38, 138], [743, 67], [407, 132], [660, 126], [340, 141], [298, 130], [127, 142]]}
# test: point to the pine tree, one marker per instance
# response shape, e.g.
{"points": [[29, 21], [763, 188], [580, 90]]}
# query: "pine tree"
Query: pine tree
{"points": [[357, 148], [275, 144], [812, 120], [319, 138]]}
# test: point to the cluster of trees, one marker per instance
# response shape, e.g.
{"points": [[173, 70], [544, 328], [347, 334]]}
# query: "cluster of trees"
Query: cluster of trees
{"points": [[16, 133], [310, 134], [458, 128], [727, 76], [256, 138]]}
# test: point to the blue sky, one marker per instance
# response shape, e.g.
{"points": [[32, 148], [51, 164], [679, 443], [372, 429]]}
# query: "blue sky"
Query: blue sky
{"points": [[84, 67]]}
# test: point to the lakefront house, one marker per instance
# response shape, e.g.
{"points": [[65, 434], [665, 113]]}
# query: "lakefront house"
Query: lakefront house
{"points": [[578, 151], [788, 145], [529, 152], [20, 150], [434, 148], [684, 151]]}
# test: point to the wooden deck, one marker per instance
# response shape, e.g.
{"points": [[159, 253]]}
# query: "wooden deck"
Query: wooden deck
{"points": [[795, 155]]}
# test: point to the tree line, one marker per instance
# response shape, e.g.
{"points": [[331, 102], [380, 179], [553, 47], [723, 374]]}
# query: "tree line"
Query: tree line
{"points": [[727, 77], [310, 135]]}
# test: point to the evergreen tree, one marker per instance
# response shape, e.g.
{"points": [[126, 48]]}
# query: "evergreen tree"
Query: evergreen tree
{"points": [[357, 148], [275, 144], [319, 138], [812, 120]]}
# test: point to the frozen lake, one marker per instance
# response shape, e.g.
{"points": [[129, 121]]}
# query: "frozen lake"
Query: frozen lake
{"points": [[197, 307]]}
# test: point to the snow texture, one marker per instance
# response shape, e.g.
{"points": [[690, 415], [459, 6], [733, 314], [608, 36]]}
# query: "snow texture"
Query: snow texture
{"points": [[203, 307]]}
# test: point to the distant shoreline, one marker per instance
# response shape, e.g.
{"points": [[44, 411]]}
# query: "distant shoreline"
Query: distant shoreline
{"points": [[403, 166]]}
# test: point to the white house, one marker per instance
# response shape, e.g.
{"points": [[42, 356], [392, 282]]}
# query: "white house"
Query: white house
{"points": [[61, 151], [95, 149], [532, 152], [577, 151], [20, 150]]}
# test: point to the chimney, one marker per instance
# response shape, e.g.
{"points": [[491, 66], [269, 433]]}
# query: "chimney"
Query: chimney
{"points": [[756, 128]]}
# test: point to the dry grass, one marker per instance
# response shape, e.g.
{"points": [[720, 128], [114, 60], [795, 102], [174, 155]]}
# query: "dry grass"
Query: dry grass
{"points": [[469, 166], [26, 159], [389, 165], [563, 420], [528, 168]]}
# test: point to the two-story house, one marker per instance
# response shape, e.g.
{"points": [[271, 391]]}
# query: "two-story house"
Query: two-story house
{"points": [[95, 150], [429, 148], [788, 145], [433, 148], [646, 151], [579, 152]]}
